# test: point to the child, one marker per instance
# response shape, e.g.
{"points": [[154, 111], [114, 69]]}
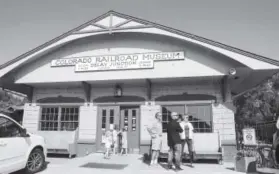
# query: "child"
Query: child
{"points": [[124, 141], [108, 143]]}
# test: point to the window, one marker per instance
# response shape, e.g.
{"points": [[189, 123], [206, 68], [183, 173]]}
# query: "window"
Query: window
{"points": [[201, 117], [134, 120], [166, 113], [104, 118], [8, 128], [59, 118], [126, 114], [49, 119], [111, 116]]}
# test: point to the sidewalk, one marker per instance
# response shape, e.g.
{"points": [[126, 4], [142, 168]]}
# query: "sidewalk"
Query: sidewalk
{"points": [[133, 164]]}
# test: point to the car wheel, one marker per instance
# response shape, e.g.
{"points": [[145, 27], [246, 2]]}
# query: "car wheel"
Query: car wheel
{"points": [[35, 162]]}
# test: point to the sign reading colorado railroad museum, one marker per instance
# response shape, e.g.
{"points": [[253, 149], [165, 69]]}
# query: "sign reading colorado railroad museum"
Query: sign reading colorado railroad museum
{"points": [[117, 62]]}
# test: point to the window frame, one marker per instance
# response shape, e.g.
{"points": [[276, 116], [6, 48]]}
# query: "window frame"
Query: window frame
{"points": [[190, 103], [59, 121], [17, 125], [211, 116]]}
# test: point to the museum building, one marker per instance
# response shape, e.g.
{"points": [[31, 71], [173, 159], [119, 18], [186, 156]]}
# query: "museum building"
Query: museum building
{"points": [[121, 70]]}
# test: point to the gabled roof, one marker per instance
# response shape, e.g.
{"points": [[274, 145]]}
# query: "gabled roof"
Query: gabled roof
{"points": [[123, 21]]}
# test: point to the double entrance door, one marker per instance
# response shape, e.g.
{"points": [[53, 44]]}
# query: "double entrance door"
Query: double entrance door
{"points": [[123, 117]]}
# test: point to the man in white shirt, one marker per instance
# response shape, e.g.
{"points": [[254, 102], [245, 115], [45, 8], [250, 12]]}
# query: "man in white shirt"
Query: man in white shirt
{"points": [[189, 135], [182, 135]]}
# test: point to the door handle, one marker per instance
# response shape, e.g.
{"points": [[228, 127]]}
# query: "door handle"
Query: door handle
{"points": [[2, 143]]}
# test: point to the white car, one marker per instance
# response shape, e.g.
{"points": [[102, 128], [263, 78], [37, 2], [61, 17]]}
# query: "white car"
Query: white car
{"points": [[20, 150]]}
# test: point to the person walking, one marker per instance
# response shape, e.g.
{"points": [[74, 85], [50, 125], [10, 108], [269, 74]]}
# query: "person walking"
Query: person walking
{"points": [[174, 141], [156, 132]]}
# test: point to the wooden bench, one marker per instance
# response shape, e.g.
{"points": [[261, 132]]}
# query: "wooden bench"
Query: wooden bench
{"points": [[206, 146], [60, 142]]}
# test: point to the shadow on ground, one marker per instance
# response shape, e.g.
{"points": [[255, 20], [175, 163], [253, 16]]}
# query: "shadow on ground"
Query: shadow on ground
{"points": [[105, 166], [146, 159]]}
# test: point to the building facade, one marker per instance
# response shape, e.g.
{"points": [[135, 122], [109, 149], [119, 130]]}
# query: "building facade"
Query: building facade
{"points": [[117, 69]]}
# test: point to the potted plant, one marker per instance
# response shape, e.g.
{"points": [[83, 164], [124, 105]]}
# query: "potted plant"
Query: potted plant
{"points": [[245, 160]]}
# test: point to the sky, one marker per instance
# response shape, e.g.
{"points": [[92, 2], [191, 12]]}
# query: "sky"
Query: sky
{"points": [[251, 25]]}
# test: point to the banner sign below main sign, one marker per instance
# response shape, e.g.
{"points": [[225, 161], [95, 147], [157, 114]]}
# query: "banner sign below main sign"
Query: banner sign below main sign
{"points": [[115, 65], [125, 61]]}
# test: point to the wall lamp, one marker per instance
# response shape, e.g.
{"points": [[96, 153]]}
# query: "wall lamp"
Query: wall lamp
{"points": [[118, 91]]}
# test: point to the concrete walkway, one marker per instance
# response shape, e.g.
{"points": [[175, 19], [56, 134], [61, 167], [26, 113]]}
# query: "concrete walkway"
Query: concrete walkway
{"points": [[134, 165]]}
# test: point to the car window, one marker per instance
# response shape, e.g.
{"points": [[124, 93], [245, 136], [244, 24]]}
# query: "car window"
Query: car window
{"points": [[8, 128]]}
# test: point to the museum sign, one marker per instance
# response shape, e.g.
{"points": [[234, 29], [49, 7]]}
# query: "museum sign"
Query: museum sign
{"points": [[117, 62]]}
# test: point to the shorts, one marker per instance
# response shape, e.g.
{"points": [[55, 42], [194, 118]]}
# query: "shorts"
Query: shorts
{"points": [[156, 143], [107, 145]]}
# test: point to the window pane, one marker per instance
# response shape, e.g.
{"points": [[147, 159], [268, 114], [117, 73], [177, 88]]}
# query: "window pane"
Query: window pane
{"points": [[8, 128], [111, 113], [76, 117], [104, 113], [111, 120], [72, 110], [126, 113], [134, 113], [43, 117]]}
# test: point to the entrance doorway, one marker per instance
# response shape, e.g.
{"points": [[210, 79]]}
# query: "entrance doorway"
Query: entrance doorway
{"points": [[124, 117], [107, 115], [129, 119]]}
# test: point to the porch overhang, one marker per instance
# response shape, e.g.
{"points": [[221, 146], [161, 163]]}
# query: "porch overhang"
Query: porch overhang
{"points": [[255, 69], [242, 81]]}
